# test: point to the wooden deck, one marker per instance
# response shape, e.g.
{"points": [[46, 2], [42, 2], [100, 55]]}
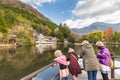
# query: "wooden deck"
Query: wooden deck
{"points": [[83, 76]]}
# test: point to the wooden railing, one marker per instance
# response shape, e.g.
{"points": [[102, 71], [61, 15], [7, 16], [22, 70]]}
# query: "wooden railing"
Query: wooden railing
{"points": [[30, 76], [112, 70]]}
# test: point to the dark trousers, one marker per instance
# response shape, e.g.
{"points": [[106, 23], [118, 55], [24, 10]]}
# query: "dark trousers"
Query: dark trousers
{"points": [[105, 76]]}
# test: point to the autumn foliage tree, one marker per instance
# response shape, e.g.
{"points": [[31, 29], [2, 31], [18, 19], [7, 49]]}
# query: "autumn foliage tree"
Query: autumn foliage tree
{"points": [[95, 36], [108, 32]]}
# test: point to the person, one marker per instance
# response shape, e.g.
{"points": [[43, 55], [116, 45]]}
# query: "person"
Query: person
{"points": [[74, 67], [62, 61], [103, 55], [90, 61]]}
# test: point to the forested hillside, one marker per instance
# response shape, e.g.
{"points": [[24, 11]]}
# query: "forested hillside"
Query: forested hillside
{"points": [[22, 20]]}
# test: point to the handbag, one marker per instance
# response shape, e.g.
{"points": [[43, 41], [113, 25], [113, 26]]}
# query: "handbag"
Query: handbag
{"points": [[111, 63], [64, 73]]}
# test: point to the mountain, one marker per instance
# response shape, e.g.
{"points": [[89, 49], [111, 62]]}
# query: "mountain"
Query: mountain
{"points": [[23, 6], [95, 26], [24, 21]]}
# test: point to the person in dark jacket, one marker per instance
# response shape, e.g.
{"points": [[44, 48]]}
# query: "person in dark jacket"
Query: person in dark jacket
{"points": [[74, 67]]}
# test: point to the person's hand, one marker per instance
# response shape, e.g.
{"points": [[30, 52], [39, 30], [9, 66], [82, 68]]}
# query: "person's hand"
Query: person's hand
{"points": [[53, 65], [68, 62]]}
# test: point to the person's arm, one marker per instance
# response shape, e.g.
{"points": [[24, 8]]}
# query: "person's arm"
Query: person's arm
{"points": [[68, 60], [101, 55], [76, 55], [81, 53], [54, 63]]}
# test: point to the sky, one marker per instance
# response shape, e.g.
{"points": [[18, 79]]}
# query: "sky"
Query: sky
{"points": [[78, 13]]}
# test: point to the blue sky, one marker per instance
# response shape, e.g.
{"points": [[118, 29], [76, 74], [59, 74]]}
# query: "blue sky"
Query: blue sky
{"points": [[78, 13], [58, 11]]}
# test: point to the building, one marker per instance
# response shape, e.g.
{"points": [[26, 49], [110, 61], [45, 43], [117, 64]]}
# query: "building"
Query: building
{"points": [[41, 39]]}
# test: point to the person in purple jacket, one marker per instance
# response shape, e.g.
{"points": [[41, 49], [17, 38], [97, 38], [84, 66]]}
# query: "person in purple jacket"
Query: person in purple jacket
{"points": [[104, 59]]}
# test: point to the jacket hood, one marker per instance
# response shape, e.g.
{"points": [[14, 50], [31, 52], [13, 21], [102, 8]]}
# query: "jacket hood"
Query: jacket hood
{"points": [[86, 46], [61, 60]]}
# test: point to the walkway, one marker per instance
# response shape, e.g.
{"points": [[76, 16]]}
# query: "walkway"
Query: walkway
{"points": [[83, 76]]}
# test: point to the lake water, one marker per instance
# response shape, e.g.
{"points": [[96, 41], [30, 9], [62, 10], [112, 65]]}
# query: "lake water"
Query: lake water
{"points": [[16, 63]]}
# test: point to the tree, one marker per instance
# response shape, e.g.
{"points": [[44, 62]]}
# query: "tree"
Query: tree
{"points": [[3, 27], [46, 30], [115, 37], [119, 29], [10, 19], [57, 32], [109, 31], [65, 30], [95, 36]]}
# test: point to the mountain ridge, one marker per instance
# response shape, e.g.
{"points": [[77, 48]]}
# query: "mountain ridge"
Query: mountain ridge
{"points": [[17, 3], [95, 26]]}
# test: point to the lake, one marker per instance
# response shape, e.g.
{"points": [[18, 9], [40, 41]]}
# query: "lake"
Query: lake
{"points": [[16, 63]]}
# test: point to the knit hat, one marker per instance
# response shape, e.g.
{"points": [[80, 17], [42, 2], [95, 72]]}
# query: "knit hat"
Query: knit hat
{"points": [[85, 42], [99, 43], [71, 50]]}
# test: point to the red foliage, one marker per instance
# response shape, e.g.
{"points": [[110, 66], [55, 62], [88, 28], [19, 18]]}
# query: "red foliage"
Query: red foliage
{"points": [[109, 31]]}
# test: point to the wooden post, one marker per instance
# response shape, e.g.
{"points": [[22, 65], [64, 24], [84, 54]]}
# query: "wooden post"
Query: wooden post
{"points": [[112, 70]]}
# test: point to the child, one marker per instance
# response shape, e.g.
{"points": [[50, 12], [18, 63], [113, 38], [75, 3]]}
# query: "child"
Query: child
{"points": [[61, 60]]}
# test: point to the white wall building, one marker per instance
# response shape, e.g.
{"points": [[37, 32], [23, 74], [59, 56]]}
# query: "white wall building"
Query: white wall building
{"points": [[41, 39]]}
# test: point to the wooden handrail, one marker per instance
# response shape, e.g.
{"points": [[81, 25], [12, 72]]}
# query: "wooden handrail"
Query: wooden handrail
{"points": [[115, 56], [30, 76]]}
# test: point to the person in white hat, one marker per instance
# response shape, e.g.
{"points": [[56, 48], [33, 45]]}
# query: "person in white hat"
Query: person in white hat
{"points": [[74, 66], [103, 55], [85, 42], [90, 61]]}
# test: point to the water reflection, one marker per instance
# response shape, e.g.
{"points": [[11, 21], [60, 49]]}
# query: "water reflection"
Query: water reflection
{"points": [[16, 63], [44, 47], [12, 51]]}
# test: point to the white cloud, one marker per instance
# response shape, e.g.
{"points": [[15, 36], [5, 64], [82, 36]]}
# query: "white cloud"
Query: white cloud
{"points": [[89, 11], [37, 2], [79, 23]]}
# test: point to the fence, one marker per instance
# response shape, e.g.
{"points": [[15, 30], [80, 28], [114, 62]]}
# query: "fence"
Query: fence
{"points": [[112, 70]]}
